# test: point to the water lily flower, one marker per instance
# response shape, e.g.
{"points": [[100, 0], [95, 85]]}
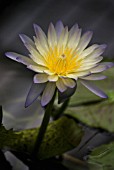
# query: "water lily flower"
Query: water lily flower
{"points": [[60, 59]]}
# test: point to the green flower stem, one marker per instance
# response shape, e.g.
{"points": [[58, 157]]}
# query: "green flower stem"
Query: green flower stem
{"points": [[59, 112], [43, 127]]}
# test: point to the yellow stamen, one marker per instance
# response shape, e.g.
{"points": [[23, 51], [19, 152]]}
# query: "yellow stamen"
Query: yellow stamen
{"points": [[62, 61]]}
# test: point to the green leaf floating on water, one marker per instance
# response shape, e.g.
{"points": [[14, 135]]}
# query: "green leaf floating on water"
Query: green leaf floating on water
{"points": [[102, 158], [61, 135], [99, 115]]}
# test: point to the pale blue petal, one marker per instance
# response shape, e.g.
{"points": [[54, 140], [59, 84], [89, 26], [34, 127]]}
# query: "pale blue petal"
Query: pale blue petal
{"points": [[102, 67], [94, 77], [59, 27], [34, 93], [27, 41], [90, 86], [20, 58]]}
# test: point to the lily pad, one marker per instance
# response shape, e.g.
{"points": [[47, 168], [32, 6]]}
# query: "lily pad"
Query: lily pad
{"points": [[60, 137], [99, 116], [102, 158]]}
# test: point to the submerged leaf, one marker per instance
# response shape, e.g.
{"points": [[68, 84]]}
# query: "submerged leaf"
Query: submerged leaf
{"points": [[61, 135]]}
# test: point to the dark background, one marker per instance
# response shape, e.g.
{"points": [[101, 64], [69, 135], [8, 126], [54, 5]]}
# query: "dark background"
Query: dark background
{"points": [[18, 17]]}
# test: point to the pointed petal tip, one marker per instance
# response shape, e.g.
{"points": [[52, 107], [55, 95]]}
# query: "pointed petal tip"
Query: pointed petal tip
{"points": [[27, 104], [103, 46], [12, 55], [94, 89], [34, 78], [51, 26], [34, 93], [59, 22], [105, 96], [109, 65], [90, 33], [36, 28], [43, 104], [76, 26], [7, 54], [22, 36]]}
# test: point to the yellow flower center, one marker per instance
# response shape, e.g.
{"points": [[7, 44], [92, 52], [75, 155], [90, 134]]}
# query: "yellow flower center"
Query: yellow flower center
{"points": [[62, 61]]}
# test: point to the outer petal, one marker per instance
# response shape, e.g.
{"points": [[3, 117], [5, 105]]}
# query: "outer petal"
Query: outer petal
{"points": [[52, 37], [60, 85], [102, 67], [62, 96], [53, 78], [84, 41], [34, 93], [69, 82], [93, 88], [59, 27], [40, 78], [36, 56], [97, 52], [37, 68], [27, 41], [20, 58], [94, 77], [48, 93]]}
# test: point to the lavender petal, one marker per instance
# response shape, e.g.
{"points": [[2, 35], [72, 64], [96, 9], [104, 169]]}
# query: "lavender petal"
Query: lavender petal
{"points": [[27, 41], [94, 77], [93, 88], [20, 58], [59, 27], [34, 93], [102, 67]]}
